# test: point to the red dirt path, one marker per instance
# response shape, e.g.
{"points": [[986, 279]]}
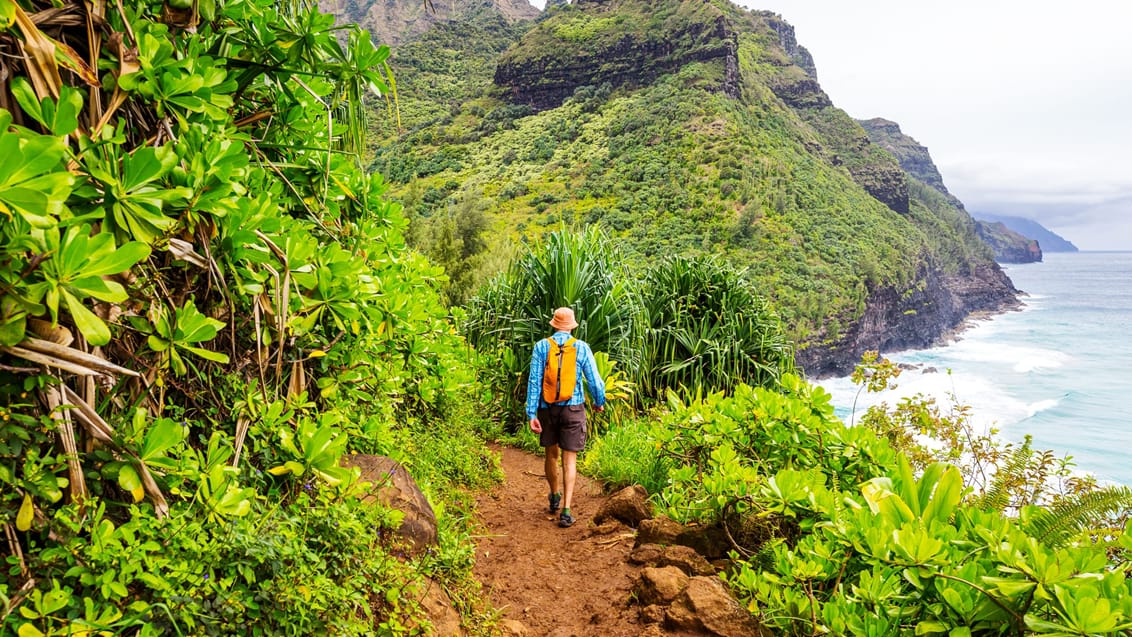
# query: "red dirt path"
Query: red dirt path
{"points": [[557, 582]]}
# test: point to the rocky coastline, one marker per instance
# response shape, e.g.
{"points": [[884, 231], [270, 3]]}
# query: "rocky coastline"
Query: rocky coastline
{"points": [[896, 320]]}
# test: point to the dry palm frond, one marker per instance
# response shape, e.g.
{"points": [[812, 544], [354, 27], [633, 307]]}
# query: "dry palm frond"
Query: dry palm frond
{"points": [[53, 396], [65, 358]]}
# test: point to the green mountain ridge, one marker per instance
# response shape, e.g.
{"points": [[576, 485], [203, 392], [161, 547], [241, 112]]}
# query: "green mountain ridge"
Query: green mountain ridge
{"points": [[1008, 246], [721, 141]]}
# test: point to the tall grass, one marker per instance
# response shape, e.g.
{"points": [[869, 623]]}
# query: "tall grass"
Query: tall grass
{"points": [[628, 454]]}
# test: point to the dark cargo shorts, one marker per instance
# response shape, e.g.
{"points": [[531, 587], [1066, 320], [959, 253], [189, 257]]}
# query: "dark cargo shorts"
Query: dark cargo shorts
{"points": [[563, 425]]}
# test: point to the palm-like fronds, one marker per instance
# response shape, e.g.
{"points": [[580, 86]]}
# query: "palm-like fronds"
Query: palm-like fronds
{"points": [[1071, 516], [577, 270], [706, 328]]}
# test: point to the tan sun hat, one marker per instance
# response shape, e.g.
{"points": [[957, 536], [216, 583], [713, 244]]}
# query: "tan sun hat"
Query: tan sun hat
{"points": [[563, 319]]}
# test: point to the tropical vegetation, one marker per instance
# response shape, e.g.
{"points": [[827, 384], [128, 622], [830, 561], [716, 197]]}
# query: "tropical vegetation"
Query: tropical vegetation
{"points": [[751, 164], [206, 303]]}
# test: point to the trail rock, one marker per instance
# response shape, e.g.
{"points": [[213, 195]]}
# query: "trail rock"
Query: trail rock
{"points": [[629, 505], [513, 628], [706, 605], [686, 559], [442, 613], [391, 485], [646, 554], [652, 614], [659, 530], [709, 541], [660, 585]]}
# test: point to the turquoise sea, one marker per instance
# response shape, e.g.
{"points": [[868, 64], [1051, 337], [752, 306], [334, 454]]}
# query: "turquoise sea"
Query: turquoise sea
{"points": [[1060, 369]]}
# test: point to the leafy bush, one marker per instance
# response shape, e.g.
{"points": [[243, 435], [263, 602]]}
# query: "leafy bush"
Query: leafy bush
{"points": [[625, 454], [837, 531], [581, 271], [206, 303]]}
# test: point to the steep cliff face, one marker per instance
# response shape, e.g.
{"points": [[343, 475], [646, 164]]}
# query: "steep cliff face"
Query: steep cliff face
{"points": [[1008, 246], [1050, 240], [615, 42], [898, 319], [395, 21], [912, 156], [788, 70]]}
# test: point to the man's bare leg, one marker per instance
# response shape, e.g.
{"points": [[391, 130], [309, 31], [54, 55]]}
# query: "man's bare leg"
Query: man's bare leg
{"points": [[569, 473], [550, 468]]}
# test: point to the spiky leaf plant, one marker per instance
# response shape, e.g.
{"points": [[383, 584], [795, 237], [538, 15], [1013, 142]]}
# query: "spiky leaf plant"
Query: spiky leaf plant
{"points": [[582, 271], [707, 329]]}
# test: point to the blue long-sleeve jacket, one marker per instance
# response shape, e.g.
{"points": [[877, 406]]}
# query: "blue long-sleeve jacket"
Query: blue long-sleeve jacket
{"points": [[587, 368]]}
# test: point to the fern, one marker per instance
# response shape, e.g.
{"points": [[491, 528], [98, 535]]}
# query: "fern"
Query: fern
{"points": [[1072, 516], [1006, 479]]}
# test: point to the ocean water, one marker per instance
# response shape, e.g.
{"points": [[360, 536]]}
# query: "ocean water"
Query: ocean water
{"points": [[1060, 369]]}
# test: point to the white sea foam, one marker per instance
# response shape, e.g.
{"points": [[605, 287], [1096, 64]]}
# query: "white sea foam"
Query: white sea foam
{"points": [[1040, 406], [1057, 370]]}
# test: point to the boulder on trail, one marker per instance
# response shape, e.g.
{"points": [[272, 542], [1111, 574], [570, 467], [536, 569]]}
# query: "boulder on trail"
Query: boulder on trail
{"points": [[391, 485], [647, 554], [686, 559], [629, 505], [660, 585], [682, 557], [706, 605], [709, 541]]}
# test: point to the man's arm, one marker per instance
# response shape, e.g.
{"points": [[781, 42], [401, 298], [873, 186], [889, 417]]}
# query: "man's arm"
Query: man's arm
{"points": [[593, 378], [534, 385]]}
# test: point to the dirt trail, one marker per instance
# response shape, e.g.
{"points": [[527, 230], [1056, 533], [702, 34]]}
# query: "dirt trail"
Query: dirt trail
{"points": [[557, 582]]}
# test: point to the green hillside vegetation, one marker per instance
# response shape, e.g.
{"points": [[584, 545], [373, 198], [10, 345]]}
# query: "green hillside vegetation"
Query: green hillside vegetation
{"points": [[438, 70], [208, 303], [677, 166]]}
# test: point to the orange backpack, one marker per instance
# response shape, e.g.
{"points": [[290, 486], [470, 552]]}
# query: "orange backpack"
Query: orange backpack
{"points": [[561, 372]]}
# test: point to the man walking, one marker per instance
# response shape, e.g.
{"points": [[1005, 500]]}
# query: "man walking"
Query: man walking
{"points": [[556, 405]]}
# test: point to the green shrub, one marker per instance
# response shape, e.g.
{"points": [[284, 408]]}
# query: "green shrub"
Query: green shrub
{"points": [[706, 329], [582, 271], [626, 454]]}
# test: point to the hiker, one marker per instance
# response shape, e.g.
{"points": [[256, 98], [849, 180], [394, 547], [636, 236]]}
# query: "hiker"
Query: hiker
{"points": [[556, 405]]}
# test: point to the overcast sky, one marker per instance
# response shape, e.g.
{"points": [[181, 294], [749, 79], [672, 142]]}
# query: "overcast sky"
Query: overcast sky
{"points": [[1026, 107]]}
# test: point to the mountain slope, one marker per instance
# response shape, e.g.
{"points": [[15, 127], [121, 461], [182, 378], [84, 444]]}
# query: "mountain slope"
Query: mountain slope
{"points": [[722, 142], [1008, 246], [394, 22]]}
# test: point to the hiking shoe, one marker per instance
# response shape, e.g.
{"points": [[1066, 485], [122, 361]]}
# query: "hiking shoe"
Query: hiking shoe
{"points": [[565, 520], [555, 501]]}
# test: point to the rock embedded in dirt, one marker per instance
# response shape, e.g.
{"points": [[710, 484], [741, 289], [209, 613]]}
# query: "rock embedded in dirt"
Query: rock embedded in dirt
{"points": [[659, 530], [648, 554], [709, 541], [608, 527], [629, 505], [686, 559], [442, 613], [513, 628], [706, 605], [660, 585], [653, 614], [391, 485]]}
